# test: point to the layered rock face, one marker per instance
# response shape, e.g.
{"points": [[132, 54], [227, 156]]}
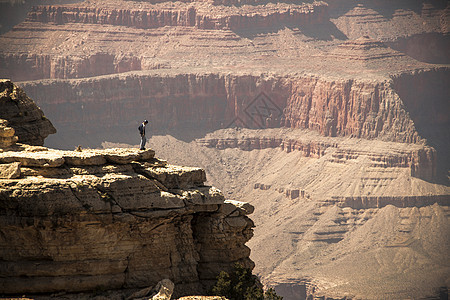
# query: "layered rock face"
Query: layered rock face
{"points": [[134, 22], [28, 120], [112, 219], [419, 159], [334, 214], [361, 109], [186, 16], [361, 87]]}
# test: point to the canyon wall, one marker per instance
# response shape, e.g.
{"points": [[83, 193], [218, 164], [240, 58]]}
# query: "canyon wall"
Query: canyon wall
{"points": [[14, 12], [420, 160], [40, 66], [349, 107], [145, 18], [186, 16], [332, 107]]}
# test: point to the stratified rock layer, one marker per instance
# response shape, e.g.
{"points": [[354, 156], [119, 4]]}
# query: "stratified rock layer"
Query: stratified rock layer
{"points": [[333, 107], [28, 120], [153, 15], [112, 219], [335, 215], [420, 159]]}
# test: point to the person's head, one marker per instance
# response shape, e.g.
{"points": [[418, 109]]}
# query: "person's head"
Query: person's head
{"points": [[145, 122]]}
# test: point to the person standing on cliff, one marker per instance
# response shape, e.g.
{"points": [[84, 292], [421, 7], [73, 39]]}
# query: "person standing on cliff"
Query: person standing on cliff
{"points": [[141, 129]]}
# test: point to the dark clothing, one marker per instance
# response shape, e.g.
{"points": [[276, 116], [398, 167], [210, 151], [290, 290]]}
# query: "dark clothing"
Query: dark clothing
{"points": [[141, 129]]}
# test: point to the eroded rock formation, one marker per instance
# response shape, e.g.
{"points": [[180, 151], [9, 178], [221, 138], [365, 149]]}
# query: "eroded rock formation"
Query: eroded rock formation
{"points": [[420, 159], [112, 219], [28, 121], [187, 15], [7, 137], [355, 203]]}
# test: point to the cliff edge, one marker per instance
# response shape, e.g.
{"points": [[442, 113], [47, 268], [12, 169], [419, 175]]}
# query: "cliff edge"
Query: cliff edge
{"points": [[112, 219], [90, 220]]}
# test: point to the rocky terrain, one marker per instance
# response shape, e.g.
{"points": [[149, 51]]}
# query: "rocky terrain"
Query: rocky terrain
{"points": [[28, 121], [113, 219], [330, 117], [333, 224]]}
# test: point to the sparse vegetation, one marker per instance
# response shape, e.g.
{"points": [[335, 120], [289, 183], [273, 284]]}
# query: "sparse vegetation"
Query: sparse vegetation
{"points": [[241, 284]]}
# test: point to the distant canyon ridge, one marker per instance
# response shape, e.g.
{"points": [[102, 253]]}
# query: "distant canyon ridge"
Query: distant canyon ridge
{"points": [[330, 117]]}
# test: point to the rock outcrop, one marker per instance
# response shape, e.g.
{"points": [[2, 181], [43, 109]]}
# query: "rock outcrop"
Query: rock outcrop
{"points": [[112, 219], [28, 121], [7, 137], [420, 159]]}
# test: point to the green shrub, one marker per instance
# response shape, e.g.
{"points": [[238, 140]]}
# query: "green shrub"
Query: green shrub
{"points": [[241, 284]]}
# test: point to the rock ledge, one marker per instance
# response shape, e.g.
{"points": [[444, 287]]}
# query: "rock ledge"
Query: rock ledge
{"points": [[114, 218]]}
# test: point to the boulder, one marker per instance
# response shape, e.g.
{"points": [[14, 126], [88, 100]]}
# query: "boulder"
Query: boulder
{"points": [[162, 291], [10, 171], [245, 207]]}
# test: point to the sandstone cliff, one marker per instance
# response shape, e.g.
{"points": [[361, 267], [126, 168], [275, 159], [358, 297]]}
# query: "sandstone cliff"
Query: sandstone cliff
{"points": [[187, 15], [419, 159], [336, 107], [103, 37], [28, 120], [185, 103], [113, 219]]}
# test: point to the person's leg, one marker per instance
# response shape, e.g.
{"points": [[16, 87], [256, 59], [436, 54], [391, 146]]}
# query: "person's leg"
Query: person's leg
{"points": [[142, 146]]}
